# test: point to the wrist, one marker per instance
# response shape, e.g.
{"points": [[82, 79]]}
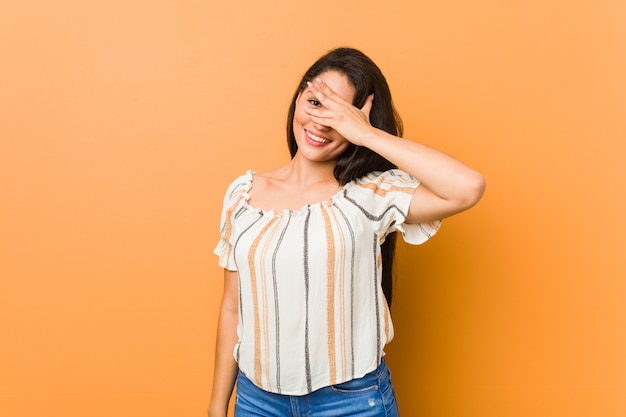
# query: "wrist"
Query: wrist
{"points": [[216, 410], [373, 138]]}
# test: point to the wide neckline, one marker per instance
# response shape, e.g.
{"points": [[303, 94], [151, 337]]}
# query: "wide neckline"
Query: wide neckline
{"points": [[302, 210]]}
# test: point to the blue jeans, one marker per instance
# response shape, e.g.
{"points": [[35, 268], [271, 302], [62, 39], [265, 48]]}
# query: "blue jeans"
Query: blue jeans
{"points": [[369, 396]]}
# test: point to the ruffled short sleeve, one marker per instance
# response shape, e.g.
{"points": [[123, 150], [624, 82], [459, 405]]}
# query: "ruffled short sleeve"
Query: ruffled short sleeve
{"points": [[235, 195], [385, 199]]}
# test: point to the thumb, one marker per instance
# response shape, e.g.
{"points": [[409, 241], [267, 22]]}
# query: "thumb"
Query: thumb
{"points": [[367, 106]]}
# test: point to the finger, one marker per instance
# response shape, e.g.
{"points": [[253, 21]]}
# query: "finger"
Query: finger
{"points": [[315, 114], [317, 92], [326, 91]]}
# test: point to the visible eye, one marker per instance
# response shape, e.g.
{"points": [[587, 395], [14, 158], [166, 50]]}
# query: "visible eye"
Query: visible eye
{"points": [[314, 102]]}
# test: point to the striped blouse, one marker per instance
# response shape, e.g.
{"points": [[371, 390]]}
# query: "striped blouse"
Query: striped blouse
{"points": [[311, 309]]}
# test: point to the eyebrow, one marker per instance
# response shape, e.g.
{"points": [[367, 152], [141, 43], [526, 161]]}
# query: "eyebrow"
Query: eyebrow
{"points": [[311, 93]]}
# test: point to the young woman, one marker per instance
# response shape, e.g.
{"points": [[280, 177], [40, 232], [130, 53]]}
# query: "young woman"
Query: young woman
{"points": [[307, 249]]}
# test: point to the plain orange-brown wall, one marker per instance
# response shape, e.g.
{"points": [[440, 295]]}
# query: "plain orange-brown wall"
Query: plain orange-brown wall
{"points": [[122, 122]]}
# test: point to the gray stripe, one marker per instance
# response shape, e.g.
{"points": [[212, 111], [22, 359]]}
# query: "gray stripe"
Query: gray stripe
{"points": [[237, 187], [240, 212], [239, 281], [230, 198], [370, 215], [307, 360], [428, 235], [376, 284], [352, 261], [276, 312]]}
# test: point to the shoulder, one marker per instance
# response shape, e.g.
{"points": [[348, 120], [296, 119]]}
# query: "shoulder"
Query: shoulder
{"points": [[391, 180], [278, 175], [239, 185]]}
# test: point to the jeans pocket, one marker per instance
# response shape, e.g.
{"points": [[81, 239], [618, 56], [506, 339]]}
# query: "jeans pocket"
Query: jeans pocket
{"points": [[358, 386]]}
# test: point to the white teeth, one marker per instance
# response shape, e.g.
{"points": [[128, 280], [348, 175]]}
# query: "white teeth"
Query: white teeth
{"points": [[316, 138]]}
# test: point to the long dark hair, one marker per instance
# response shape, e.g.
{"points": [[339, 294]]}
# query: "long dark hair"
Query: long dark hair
{"points": [[358, 161]]}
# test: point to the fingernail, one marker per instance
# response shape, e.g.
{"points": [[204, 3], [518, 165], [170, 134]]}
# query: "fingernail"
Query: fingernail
{"points": [[319, 80], [309, 83]]}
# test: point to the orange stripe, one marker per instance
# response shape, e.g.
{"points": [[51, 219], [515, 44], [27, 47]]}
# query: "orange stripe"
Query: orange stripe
{"points": [[342, 307], [228, 227], [255, 304], [330, 273], [265, 303], [376, 189], [387, 326]]}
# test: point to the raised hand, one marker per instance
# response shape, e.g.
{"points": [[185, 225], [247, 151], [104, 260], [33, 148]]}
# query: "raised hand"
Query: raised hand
{"points": [[349, 121]]}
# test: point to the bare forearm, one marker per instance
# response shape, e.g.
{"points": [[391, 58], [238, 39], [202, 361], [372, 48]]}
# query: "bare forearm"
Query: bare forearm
{"points": [[442, 174], [458, 186], [225, 371]]}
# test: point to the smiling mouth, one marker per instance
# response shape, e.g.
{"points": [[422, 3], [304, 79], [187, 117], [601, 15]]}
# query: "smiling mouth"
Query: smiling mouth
{"points": [[316, 138]]}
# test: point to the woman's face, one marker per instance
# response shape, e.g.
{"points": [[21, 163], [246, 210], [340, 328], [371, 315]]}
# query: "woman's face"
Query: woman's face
{"points": [[317, 142]]}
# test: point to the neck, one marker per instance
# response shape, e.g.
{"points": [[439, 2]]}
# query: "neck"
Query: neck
{"points": [[307, 173]]}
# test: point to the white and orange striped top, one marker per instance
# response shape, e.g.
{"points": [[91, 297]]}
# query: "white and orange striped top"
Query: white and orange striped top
{"points": [[311, 309]]}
